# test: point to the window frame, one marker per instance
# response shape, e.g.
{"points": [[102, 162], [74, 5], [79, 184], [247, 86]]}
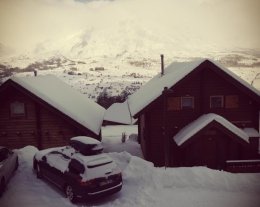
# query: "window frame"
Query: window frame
{"points": [[187, 107], [13, 105], [216, 96]]}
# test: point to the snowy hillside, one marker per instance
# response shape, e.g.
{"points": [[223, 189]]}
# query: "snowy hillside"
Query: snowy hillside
{"points": [[94, 45], [143, 184], [93, 76]]}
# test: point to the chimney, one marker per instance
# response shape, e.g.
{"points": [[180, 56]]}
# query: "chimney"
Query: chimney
{"points": [[162, 65]]}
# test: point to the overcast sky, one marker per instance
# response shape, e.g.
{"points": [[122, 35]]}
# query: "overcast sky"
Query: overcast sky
{"points": [[24, 23]]}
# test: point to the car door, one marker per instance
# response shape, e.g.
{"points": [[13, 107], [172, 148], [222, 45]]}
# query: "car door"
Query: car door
{"points": [[6, 165], [11, 157], [56, 166]]}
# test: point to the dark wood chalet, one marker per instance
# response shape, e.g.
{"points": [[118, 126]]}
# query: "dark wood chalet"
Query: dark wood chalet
{"points": [[197, 114], [45, 112]]}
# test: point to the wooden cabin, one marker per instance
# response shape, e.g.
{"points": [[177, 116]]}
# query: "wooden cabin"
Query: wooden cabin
{"points": [[45, 112], [172, 105]]}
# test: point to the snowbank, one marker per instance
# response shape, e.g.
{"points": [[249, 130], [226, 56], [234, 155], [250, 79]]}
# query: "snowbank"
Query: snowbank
{"points": [[143, 185]]}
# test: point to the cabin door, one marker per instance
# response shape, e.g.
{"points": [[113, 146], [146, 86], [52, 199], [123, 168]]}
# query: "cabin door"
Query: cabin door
{"points": [[210, 151]]}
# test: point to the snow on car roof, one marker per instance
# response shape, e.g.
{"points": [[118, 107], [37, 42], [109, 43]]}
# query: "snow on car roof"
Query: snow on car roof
{"points": [[93, 159], [86, 140], [188, 131], [66, 99], [173, 74]]}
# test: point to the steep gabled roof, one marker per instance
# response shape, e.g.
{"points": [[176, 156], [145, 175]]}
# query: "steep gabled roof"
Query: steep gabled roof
{"points": [[194, 127], [173, 74], [119, 113], [65, 99]]}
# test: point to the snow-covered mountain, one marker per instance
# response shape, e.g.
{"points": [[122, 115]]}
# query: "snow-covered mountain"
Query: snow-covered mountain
{"points": [[117, 44]]}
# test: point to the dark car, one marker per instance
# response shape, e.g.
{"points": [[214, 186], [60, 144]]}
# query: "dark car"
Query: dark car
{"points": [[81, 170], [8, 164]]}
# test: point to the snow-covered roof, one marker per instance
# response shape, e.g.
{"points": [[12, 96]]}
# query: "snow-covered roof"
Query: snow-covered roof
{"points": [[191, 129], [173, 74], [65, 99], [256, 83], [119, 113], [251, 132]]}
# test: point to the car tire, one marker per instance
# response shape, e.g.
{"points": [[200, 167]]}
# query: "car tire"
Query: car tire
{"points": [[70, 194], [38, 171], [2, 186]]}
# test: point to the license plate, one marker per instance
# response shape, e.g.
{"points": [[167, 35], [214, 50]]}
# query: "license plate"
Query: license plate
{"points": [[105, 182]]}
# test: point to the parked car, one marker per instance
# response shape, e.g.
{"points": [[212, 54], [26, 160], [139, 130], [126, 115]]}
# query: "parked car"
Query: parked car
{"points": [[8, 164], [81, 170]]}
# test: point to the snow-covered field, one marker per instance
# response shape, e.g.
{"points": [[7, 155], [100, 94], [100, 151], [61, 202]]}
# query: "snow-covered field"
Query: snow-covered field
{"points": [[144, 185]]}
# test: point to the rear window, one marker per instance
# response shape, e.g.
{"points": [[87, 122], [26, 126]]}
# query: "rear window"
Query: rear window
{"points": [[98, 164], [76, 167]]}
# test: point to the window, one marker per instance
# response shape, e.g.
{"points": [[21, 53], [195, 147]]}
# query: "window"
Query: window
{"points": [[187, 102], [17, 109], [174, 103], [178, 103], [216, 101], [76, 167], [231, 101]]}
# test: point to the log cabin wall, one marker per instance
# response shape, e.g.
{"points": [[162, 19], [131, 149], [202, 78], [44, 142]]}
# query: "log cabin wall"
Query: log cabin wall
{"points": [[200, 84], [41, 126], [212, 147], [19, 131], [245, 115]]}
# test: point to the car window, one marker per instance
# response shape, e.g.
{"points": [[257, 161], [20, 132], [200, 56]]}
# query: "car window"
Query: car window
{"points": [[76, 167], [3, 154]]}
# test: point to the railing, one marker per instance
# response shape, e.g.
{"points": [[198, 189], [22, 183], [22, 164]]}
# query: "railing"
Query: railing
{"points": [[243, 166]]}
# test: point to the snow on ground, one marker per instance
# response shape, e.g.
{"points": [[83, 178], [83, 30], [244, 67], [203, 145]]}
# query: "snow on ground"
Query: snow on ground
{"points": [[143, 184], [112, 139]]}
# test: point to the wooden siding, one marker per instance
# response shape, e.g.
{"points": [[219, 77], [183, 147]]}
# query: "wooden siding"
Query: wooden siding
{"points": [[245, 115], [42, 126], [213, 149], [200, 84], [21, 131]]}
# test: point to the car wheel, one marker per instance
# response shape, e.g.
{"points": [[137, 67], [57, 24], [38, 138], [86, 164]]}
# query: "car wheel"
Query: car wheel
{"points": [[2, 186], [38, 171], [70, 193]]}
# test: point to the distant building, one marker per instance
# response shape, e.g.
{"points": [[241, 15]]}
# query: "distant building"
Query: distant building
{"points": [[205, 116], [45, 112], [118, 114]]}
